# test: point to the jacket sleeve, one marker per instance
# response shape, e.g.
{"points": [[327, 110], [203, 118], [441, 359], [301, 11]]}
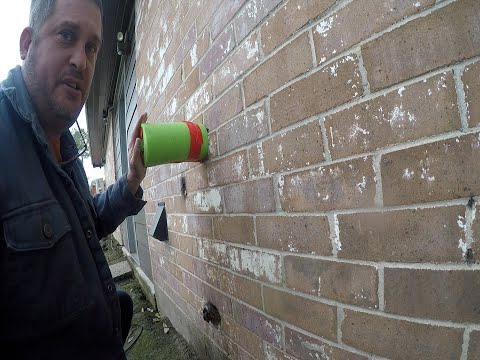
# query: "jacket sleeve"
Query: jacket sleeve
{"points": [[114, 205]]}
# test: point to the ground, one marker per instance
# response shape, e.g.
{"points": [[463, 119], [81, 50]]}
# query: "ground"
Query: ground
{"points": [[153, 343]]}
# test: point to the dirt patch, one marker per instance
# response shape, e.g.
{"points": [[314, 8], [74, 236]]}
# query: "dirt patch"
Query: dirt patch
{"points": [[112, 250]]}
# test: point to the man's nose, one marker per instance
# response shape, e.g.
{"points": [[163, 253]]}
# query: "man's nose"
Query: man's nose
{"points": [[79, 58]]}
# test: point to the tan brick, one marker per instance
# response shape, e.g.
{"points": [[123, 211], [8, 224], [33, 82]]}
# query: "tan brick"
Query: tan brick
{"points": [[200, 226], [237, 64], [303, 234], [424, 109], [217, 52], [251, 15], [206, 13], [174, 84], [243, 129], [213, 146], [421, 235], [275, 354], [214, 252], [293, 149], [317, 318], [343, 185], [398, 339], [328, 88], [186, 244], [185, 261], [225, 12], [196, 53], [288, 63], [245, 338], [250, 197], [199, 100], [347, 283], [438, 171], [443, 37], [357, 21], [305, 347], [288, 19], [196, 179], [188, 88], [236, 229], [224, 108], [474, 348], [259, 324], [207, 201], [233, 168], [471, 80], [257, 264], [185, 45], [433, 294]]}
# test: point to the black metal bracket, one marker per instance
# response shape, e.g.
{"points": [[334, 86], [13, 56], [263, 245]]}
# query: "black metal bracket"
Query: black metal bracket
{"points": [[159, 227]]}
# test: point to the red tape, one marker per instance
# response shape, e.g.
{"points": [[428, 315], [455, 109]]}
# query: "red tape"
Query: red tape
{"points": [[196, 141]]}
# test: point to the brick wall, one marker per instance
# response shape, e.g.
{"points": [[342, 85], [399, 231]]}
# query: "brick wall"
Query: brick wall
{"points": [[336, 217]]}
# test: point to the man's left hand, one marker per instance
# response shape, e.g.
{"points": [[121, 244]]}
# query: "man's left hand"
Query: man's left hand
{"points": [[136, 166]]}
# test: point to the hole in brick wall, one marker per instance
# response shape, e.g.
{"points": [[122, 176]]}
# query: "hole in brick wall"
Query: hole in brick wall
{"points": [[184, 186]]}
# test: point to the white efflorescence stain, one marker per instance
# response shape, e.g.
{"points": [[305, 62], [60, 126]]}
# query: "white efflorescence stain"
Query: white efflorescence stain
{"points": [[208, 200]]}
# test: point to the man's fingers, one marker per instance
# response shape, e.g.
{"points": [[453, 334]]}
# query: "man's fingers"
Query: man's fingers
{"points": [[136, 131]]}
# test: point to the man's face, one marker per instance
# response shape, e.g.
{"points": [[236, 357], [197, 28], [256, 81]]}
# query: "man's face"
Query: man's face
{"points": [[60, 61]]}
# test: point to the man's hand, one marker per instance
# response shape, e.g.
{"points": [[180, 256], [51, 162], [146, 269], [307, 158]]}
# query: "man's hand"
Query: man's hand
{"points": [[136, 166]]}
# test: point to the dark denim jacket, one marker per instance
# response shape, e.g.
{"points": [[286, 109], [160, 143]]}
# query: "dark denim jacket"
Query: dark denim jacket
{"points": [[57, 296]]}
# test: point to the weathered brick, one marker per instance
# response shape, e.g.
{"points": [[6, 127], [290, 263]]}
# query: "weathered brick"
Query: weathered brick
{"points": [[199, 100], [196, 52], [348, 283], [438, 171], [424, 109], [357, 21], [185, 46], [471, 80], [224, 108], [288, 19], [213, 146], [233, 168], [306, 348], [243, 129], [475, 246], [288, 63], [214, 252], [237, 64], [259, 324], [225, 12], [217, 53], [333, 86], [344, 185], [200, 226], [206, 13], [398, 339], [245, 338], [250, 197], [260, 265], [420, 235], [208, 201], [185, 261], [196, 179], [188, 87], [443, 37], [174, 85], [186, 244], [304, 234], [474, 348], [293, 149], [236, 229], [433, 294], [251, 15], [317, 318], [273, 353]]}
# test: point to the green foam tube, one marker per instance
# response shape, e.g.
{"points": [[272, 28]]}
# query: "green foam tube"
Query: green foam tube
{"points": [[173, 143]]}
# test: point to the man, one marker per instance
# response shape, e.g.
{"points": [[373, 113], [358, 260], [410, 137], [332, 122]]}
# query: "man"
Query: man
{"points": [[57, 296]]}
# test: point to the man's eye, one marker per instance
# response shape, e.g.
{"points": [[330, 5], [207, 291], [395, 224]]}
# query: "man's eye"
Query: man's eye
{"points": [[66, 35], [92, 48]]}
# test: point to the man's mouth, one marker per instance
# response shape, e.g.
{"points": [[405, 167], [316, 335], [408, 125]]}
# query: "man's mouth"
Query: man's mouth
{"points": [[72, 85]]}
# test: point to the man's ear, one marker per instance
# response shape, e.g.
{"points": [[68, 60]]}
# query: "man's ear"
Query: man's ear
{"points": [[25, 41]]}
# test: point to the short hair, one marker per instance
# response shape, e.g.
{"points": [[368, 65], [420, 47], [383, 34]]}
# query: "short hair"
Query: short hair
{"points": [[41, 10]]}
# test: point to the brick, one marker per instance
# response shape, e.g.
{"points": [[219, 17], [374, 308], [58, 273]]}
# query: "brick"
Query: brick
{"points": [[217, 52], [398, 339], [205, 202], [306, 347], [196, 179], [213, 146], [224, 108], [362, 19], [343, 185], [259, 324], [206, 13], [433, 294], [185, 46], [293, 149], [242, 59], [214, 252], [445, 36], [475, 246], [244, 129], [225, 12], [199, 100], [185, 261], [290, 18], [186, 244], [420, 235], [174, 84], [474, 347], [238, 287], [276, 354], [245, 338], [236, 229], [432, 172], [303, 234], [233, 168], [471, 80], [200, 226], [257, 264], [424, 109], [196, 53], [251, 15], [317, 318], [347, 283], [250, 197], [187, 89], [326, 89], [287, 64]]}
